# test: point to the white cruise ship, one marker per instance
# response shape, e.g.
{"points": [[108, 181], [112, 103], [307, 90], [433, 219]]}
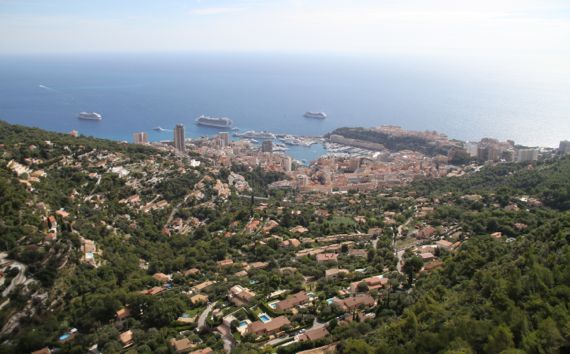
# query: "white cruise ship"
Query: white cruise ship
{"points": [[90, 116], [223, 122], [316, 115]]}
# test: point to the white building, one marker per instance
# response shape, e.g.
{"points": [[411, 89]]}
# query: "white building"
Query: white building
{"points": [[526, 155]]}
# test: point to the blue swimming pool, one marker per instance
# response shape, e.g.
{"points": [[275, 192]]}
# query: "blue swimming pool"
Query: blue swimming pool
{"points": [[243, 323], [264, 317], [64, 337]]}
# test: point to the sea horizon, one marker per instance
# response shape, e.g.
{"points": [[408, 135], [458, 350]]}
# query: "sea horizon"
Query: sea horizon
{"points": [[272, 92]]}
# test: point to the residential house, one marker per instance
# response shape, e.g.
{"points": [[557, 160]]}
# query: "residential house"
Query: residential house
{"points": [[358, 253], [203, 285], [252, 225], [126, 338], [45, 350], [240, 296], [313, 334], [427, 256], [333, 273], [426, 233], [327, 257], [203, 351], [199, 299], [258, 328], [355, 302], [225, 263], [184, 345], [292, 242], [122, 313], [257, 265], [446, 245], [161, 277], [299, 229], [373, 283], [292, 301], [270, 225], [153, 291]]}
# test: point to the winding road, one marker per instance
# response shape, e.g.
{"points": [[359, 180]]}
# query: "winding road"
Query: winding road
{"points": [[20, 278], [204, 316]]}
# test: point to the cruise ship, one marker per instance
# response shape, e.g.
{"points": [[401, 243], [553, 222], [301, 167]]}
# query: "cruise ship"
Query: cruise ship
{"points": [[316, 115], [89, 116], [223, 122]]}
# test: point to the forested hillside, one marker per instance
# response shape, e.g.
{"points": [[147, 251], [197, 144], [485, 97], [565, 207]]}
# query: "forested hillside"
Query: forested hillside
{"points": [[131, 249]]}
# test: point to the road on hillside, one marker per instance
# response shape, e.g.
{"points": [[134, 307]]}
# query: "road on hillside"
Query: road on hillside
{"points": [[204, 316], [20, 278]]}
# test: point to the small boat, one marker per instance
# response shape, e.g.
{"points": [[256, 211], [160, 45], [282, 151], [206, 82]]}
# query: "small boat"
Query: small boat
{"points": [[315, 115], [90, 116]]}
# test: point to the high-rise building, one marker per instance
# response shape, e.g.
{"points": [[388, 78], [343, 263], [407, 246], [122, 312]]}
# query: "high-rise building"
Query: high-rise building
{"points": [[179, 138], [488, 153], [140, 138], [526, 155], [225, 138], [564, 147], [287, 163], [471, 148], [267, 146]]}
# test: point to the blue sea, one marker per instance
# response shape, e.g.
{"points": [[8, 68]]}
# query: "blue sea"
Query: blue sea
{"points": [[271, 92]]}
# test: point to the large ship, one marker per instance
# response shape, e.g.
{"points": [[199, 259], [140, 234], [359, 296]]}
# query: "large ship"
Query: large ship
{"points": [[90, 116], [316, 115], [223, 122]]}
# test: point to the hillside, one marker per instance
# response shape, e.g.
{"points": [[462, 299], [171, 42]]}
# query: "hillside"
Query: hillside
{"points": [[137, 249], [415, 141]]}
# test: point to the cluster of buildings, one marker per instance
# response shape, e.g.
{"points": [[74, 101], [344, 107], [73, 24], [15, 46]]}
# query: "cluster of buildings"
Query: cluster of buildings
{"points": [[494, 150], [332, 174]]}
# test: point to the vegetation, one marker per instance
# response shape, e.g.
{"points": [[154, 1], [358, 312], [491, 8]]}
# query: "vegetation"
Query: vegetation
{"points": [[393, 142], [505, 293]]}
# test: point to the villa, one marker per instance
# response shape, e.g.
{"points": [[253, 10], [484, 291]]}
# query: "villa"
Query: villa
{"points": [[275, 325], [240, 296], [292, 301], [375, 282], [351, 303]]}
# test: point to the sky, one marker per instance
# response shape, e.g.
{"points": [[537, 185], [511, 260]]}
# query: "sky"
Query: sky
{"points": [[533, 30]]}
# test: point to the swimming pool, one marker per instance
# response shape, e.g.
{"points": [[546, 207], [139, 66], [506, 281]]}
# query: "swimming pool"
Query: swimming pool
{"points": [[273, 304], [264, 317], [330, 301], [243, 323], [64, 337]]}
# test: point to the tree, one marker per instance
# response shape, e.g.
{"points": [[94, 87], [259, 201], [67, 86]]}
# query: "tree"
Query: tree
{"points": [[356, 346], [413, 265], [500, 339], [362, 287]]}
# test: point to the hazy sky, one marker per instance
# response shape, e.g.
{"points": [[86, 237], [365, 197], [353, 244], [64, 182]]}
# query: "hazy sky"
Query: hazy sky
{"points": [[533, 29]]}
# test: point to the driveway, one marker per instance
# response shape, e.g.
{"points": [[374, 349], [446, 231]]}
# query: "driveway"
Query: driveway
{"points": [[204, 316]]}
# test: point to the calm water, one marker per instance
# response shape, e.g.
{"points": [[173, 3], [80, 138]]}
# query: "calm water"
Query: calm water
{"points": [[270, 92]]}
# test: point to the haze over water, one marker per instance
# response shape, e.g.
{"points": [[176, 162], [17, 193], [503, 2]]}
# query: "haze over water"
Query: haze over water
{"points": [[271, 92]]}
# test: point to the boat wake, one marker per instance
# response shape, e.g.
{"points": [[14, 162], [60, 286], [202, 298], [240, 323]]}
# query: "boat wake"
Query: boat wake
{"points": [[47, 88]]}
